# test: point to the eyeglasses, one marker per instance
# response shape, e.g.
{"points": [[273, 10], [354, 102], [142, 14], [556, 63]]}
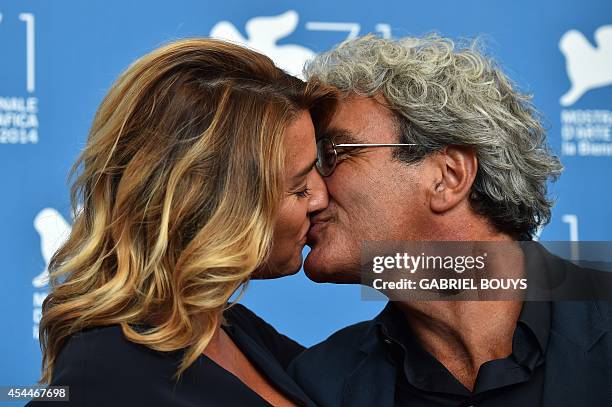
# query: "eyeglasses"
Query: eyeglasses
{"points": [[327, 155]]}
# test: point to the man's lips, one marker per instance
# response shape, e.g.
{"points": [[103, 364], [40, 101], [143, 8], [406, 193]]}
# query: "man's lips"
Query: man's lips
{"points": [[320, 218], [316, 225]]}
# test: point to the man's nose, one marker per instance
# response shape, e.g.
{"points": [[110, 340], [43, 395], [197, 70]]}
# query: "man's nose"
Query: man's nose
{"points": [[318, 196]]}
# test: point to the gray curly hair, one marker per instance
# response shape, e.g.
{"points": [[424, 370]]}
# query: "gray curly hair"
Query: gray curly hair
{"points": [[443, 94]]}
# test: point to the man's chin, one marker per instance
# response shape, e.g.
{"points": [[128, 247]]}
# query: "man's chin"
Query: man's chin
{"points": [[315, 273]]}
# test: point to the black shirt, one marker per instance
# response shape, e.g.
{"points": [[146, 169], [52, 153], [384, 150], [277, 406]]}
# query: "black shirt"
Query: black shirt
{"points": [[355, 367], [516, 380], [103, 368]]}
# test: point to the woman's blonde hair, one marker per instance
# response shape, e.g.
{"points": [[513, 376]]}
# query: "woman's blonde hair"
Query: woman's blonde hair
{"points": [[177, 193]]}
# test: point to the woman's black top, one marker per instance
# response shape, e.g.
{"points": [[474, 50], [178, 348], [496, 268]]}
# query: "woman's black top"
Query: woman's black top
{"points": [[103, 368]]}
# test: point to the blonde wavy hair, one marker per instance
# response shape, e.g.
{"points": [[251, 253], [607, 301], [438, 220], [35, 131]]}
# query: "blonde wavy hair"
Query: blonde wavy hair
{"points": [[178, 189]]}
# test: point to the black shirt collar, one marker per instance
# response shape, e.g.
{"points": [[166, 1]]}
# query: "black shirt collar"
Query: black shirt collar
{"points": [[536, 316], [424, 371]]}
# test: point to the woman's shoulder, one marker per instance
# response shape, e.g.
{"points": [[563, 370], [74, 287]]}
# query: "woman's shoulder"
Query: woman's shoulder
{"points": [[101, 366], [238, 315], [107, 341], [283, 348], [106, 355]]}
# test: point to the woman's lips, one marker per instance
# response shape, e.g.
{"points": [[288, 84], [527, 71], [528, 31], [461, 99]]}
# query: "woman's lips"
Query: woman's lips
{"points": [[304, 238]]}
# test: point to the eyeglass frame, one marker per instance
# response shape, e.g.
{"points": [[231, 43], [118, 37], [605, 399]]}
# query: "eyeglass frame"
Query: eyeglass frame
{"points": [[350, 145]]}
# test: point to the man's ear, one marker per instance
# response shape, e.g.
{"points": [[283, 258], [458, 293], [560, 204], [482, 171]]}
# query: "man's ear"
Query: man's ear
{"points": [[457, 170]]}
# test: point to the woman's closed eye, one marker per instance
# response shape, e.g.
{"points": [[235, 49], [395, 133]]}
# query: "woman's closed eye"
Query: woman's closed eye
{"points": [[302, 192]]}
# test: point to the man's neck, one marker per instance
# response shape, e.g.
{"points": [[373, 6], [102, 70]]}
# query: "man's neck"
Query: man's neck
{"points": [[462, 335]]}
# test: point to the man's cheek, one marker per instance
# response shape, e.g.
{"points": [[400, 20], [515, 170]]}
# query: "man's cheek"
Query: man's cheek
{"points": [[353, 205]]}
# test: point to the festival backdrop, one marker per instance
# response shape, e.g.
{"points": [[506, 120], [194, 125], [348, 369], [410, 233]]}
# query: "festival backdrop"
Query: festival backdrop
{"points": [[59, 57]]}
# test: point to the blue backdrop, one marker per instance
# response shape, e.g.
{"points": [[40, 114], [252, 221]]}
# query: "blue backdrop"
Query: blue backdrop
{"points": [[59, 57]]}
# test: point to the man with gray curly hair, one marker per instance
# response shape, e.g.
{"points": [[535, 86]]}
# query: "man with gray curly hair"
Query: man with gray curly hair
{"points": [[467, 161]]}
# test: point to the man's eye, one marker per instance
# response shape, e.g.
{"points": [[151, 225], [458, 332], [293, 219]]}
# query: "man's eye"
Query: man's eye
{"points": [[346, 153], [343, 152]]}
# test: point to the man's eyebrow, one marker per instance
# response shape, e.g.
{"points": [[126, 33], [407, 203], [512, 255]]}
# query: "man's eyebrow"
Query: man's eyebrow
{"points": [[339, 136], [305, 171]]}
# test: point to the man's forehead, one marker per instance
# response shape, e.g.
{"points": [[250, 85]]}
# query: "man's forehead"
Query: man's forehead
{"points": [[361, 119], [340, 135], [349, 124]]}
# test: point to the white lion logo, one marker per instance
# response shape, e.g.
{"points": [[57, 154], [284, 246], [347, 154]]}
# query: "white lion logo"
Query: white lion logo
{"points": [[263, 34], [587, 67], [53, 230]]}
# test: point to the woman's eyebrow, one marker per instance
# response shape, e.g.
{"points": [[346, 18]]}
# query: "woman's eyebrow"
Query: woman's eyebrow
{"points": [[304, 171]]}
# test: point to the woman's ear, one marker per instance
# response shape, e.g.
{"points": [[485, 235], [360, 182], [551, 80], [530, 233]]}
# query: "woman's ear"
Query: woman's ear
{"points": [[458, 166]]}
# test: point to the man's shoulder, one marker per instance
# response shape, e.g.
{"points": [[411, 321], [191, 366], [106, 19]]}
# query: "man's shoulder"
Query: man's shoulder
{"points": [[344, 341], [322, 368], [593, 312], [586, 324], [605, 310]]}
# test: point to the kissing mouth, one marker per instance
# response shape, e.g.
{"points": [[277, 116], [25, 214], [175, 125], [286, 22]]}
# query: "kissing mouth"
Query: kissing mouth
{"points": [[321, 217], [304, 234], [319, 220], [317, 223]]}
